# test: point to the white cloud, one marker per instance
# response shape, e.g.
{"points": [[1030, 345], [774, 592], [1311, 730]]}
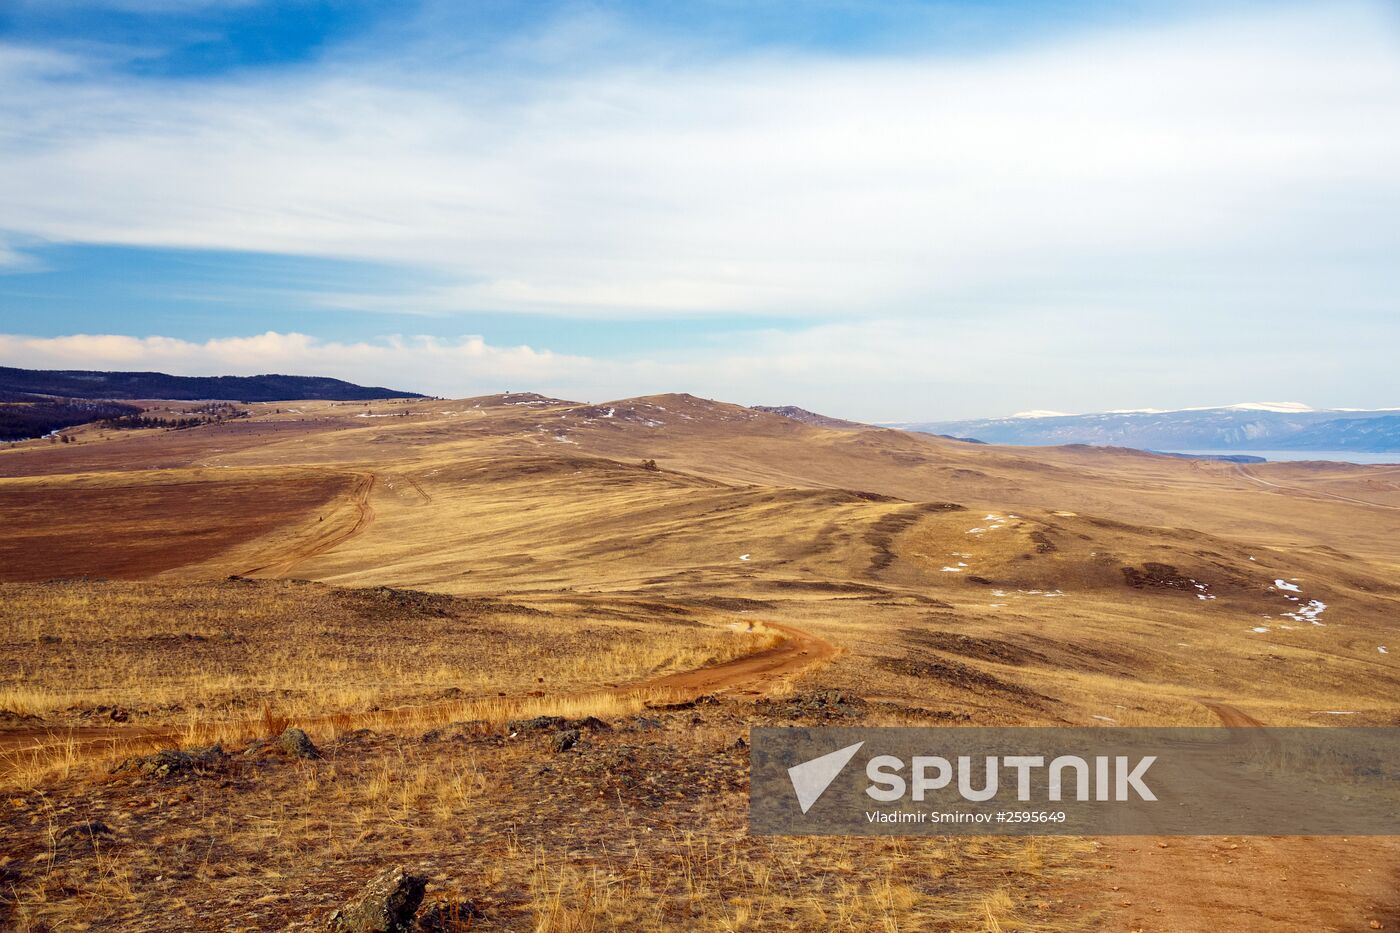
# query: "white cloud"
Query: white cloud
{"points": [[1239, 155], [879, 369], [1160, 217], [467, 365]]}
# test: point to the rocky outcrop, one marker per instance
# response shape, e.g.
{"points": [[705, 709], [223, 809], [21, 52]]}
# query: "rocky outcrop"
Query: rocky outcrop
{"points": [[386, 905]]}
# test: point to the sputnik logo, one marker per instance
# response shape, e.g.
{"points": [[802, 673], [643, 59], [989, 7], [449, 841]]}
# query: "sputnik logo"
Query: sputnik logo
{"points": [[811, 778]]}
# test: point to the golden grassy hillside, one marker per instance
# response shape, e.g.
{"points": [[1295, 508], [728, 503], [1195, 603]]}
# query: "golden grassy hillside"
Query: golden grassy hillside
{"points": [[465, 564]]}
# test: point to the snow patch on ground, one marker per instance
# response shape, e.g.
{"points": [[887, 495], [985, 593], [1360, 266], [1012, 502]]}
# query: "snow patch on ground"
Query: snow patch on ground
{"points": [[1308, 613], [1285, 585], [743, 557]]}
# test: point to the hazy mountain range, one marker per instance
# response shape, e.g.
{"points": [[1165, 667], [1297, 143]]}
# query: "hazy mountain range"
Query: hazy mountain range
{"points": [[1243, 427]]}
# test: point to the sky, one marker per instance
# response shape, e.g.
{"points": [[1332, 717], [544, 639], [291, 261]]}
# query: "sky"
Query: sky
{"points": [[888, 211]]}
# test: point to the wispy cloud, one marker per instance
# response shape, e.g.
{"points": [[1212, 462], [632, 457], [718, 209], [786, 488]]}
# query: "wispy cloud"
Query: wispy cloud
{"points": [[878, 369], [1216, 193], [1238, 148], [451, 366]]}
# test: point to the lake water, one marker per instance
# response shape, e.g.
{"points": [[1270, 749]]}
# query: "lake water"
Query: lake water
{"points": [[1345, 456]]}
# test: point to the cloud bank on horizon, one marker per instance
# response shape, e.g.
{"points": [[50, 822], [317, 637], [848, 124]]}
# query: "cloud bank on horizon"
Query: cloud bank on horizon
{"points": [[890, 211]]}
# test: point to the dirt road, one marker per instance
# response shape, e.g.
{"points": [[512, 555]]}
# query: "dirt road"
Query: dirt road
{"points": [[752, 675], [1203, 884], [1312, 493], [756, 674], [337, 532]]}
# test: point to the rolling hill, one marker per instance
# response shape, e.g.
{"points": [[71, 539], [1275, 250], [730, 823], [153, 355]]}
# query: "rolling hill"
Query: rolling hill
{"points": [[137, 385], [547, 627]]}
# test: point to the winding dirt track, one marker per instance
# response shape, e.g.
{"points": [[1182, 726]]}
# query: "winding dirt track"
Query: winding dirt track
{"points": [[755, 674], [1204, 884], [327, 539], [1311, 493], [750, 676], [1230, 716]]}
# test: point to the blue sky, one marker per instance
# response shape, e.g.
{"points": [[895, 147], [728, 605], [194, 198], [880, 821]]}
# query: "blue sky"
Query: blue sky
{"points": [[887, 211]]}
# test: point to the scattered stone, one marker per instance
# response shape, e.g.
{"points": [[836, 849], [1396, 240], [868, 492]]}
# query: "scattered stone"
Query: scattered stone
{"points": [[386, 905], [707, 699], [828, 704], [172, 762], [564, 740], [297, 744], [644, 724], [539, 723], [85, 834], [9, 717], [447, 916], [114, 713], [740, 742], [1157, 576]]}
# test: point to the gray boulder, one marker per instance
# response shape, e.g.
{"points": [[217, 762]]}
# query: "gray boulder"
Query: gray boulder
{"points": [[297, 744], [386, 905]]}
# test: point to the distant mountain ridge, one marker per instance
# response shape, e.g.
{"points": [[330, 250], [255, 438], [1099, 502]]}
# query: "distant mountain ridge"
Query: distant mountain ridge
{"points": [[806, 417], [1246, 426], [92, 384]]}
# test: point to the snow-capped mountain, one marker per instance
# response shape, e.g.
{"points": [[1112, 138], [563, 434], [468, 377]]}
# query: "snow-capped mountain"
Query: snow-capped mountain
{"points": [[1243, 426]]}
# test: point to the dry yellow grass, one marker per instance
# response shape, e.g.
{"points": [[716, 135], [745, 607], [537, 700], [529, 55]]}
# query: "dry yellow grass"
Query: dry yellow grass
{"points": [[1070, 596]]}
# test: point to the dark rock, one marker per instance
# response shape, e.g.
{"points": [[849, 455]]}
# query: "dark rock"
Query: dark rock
{"points": [[9, 717], [1157, 576], [592, 723], [297, 744], [564, 740], [386, 905], [828, 704], [85, 834], [539, 723], [643, 724], [172, 762], [707, 699], [447, 916]]}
